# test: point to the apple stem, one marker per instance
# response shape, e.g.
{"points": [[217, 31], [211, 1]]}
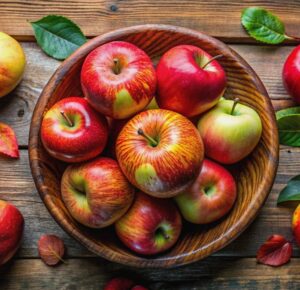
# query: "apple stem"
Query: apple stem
{"points": [[166, 236], [67, 119], [235, 102], [213, 58], [116, 67], [152, 142]]}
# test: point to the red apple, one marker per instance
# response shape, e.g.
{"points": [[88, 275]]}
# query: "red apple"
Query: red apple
{"points": [[210, 197], [96, 192], [160, 152], [291, 74], [151, 225], [121, 283], [118, 79], [11, 231], [189, 80], [72, 131], [296, 225], [230, 131]]}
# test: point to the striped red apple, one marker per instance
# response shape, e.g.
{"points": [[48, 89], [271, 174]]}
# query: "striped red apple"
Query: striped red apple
{"points": [[210, 197], [160, 152], [96, 192], [151, 225], [72, 131], [118, 79], [11, 231]]}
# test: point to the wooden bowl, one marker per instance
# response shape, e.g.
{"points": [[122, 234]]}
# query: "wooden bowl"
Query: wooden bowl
{"points": [[254, 175]]}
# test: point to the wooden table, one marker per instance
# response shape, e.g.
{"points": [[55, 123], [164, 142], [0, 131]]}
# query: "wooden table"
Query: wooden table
{"points": [[233, 267]]}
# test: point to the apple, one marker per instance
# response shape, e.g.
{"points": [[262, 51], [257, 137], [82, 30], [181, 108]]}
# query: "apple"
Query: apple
{"points": [[11, 231], [118, 79], [152, 105], [12, 63], [189, 80], [96, 192], [151, 225], [160, 152], [121, 283], [296, 225], [230, 131], [72, 131], [291, 74], [210, 197]]}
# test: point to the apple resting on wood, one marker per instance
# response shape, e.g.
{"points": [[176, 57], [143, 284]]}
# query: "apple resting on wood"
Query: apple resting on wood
{"points": [[160, 152], [11, 231], [72, 131], [151, 225], [210, 197], [189, 80], [118, 79], [296, 225], [96, 193], [291, 74], [12, 63], [230, 131]]}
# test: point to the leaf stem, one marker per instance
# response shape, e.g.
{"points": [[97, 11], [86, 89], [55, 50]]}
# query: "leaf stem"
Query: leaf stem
{"points": [[56, 255], [292, 37]]}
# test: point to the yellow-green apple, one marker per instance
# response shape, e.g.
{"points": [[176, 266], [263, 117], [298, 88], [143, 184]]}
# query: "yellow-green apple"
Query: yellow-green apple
{"points": [[118, 79], [11, 230], [296, 225], [230, 131], [96, 192], [291, 74], [151, 226], [72, 131], [210, 197], [189, 80], [12, 63], [160, 152]]}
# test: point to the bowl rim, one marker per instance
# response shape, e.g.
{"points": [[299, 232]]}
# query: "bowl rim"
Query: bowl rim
{"points": [[110, 254]]}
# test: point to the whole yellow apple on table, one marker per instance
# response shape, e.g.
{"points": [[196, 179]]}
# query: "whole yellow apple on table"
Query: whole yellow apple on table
{"points": [[12, 63]]}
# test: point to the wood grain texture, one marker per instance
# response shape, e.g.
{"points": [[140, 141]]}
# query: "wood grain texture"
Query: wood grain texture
{"points": [[253, 184], [16, 109], [18, 187], [212, 273], [98, 16]]}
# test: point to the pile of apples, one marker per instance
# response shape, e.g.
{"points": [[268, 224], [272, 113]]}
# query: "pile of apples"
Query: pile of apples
{"points": [[137, 156]]}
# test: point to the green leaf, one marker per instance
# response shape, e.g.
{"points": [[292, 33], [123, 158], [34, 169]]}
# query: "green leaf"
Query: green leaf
{"points": [[263, 26], [291, 192], [58, 36], [288, 121]]}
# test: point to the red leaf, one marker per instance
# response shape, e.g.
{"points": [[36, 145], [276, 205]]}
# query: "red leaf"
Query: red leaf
{"points": [[51, 249], [276, 251], [8, 142]]}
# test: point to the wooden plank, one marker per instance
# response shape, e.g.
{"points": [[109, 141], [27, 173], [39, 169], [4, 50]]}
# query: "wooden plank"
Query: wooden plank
{"points": [[16, 109], [211, 273], [17, 187], [98, 16]]}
